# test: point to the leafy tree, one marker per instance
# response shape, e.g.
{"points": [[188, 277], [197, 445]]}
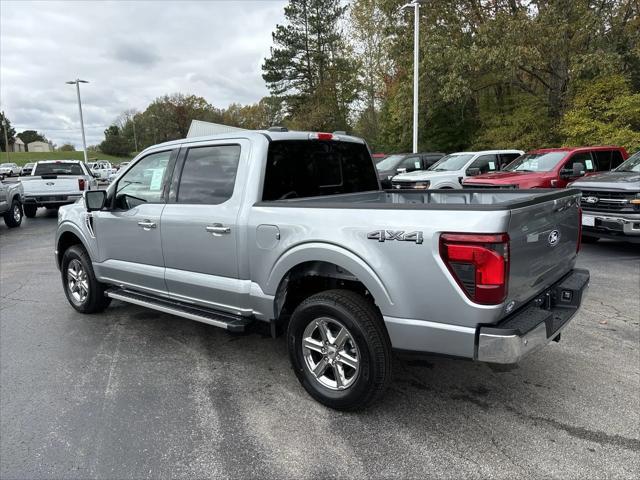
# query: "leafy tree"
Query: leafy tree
{"points": [[29, 136], [311, 67], [604, 111], [10, 131], [67, 147], [114, 143]]}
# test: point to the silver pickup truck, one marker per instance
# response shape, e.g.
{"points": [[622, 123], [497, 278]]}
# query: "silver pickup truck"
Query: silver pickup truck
{"points": [[11, 194], [291, 229]]}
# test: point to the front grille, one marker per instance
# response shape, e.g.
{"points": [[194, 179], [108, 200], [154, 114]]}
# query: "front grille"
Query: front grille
{"points": [[603, 201]]}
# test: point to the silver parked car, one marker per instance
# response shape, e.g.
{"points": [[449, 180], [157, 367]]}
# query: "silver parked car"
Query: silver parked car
{"points": [[9, 169], [291, 230]]}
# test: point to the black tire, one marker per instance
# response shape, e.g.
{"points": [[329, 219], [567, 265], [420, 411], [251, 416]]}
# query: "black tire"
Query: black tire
{"points": [[367, 332], [15, 211], [589, 239], [95, 300], [30, 210]]}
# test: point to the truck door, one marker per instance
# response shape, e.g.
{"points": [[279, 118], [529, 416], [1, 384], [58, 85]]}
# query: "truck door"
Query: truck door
{"points": [[128, 235], [566, 175], [200, 228]]}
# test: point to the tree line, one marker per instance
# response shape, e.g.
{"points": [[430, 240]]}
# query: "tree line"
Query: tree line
{"points": [[493, 73]]}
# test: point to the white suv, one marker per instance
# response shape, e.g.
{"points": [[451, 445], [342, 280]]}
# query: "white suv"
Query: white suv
{"points": [[449, 171]]}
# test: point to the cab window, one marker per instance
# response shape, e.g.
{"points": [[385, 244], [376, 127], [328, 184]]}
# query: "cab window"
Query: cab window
{"points": [[144, 182], [581, 157], [485, 163]]}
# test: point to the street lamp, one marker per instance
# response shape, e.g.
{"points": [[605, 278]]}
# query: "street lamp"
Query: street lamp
{"points": [[77, 83], [416, 34]]}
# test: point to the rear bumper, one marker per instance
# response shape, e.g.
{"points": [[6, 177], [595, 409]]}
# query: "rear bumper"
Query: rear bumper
{"points": [[43, 200], [539, 322]]}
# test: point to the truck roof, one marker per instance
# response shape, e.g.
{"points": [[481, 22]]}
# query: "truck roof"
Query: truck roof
{"points": [[575, 149], [488, 152], [270, 135], [58, 161]]}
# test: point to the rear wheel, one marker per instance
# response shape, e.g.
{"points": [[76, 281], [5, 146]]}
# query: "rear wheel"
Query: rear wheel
{"points": [[81, 287], [339, 349], [13, 216], [30, 210]]}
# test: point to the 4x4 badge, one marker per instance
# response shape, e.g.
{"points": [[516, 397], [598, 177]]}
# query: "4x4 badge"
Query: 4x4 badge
{"points": [[400, 235]]}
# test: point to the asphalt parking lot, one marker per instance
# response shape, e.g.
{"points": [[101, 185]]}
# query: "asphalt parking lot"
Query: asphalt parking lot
{"points": [[132, 393]]}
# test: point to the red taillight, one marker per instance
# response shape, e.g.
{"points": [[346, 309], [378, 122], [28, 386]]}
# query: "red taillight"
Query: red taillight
{"points": [[81, 184], [579, 230], [321, 136], [479, 263]]}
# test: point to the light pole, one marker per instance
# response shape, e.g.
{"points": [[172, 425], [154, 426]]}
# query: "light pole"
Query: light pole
{"points": [[5, 126], [135, 139], [416, 35], [77, 83]]}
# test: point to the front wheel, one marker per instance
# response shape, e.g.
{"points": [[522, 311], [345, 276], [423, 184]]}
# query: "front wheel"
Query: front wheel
{"points": [[30, 211], [83, 290], [339, 349], [13, 216]]}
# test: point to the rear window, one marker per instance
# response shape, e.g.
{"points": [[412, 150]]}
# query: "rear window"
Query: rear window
{"points": [[308, 168], [58, 169]]}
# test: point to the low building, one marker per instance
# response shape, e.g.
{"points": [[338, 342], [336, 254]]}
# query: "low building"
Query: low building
{"points": [[17, 145], [38, 147]]}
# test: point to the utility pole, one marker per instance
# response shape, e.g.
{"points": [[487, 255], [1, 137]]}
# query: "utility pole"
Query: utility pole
{"points": [[77, 83], [416, 47], [135, 139], [5, 126]]}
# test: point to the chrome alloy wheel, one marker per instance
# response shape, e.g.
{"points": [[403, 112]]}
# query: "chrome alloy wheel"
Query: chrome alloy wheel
{"points": [[17, 213], [330, 353], [77, 281]]}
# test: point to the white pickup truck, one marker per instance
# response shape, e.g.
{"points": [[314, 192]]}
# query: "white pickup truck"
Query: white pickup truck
{"points": [[53, 183], [102, 170]]}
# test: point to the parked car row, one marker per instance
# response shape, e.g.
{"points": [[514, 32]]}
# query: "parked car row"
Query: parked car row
{"points": [[611, 185]]}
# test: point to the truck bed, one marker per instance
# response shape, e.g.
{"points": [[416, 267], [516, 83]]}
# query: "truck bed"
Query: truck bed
{"points": [[468, 199]]}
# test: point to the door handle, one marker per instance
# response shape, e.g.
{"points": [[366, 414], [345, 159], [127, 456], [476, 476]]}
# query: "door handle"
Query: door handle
{"points": [[218, 229], [147, 224]]}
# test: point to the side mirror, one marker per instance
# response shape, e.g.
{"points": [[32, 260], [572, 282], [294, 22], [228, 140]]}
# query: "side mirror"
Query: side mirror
{"points": [[472, 172], [95, 199], [578, 169]]}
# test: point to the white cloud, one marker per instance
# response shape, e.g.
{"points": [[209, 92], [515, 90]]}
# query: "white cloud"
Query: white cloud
{"points": [[131, 52]]}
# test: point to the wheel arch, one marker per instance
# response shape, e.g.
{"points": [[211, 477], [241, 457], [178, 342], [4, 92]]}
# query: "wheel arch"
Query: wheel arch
{"points": [[68, 236], [311, 268]]}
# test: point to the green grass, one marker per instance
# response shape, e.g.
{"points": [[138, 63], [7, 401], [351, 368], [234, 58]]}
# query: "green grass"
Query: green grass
{"points": [[25, 157]]}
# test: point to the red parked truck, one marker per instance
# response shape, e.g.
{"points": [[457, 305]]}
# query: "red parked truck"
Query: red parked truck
{"points": [[551, 167]]}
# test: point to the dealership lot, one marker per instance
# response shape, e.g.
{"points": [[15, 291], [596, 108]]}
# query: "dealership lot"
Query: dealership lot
{"points": [[134, 393]]}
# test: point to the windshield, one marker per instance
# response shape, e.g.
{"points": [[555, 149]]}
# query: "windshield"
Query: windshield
{"points": [[6, 165], [29, 165], [451, 163], [389, 163], [58, 169], [535, 162], [632, 164]]}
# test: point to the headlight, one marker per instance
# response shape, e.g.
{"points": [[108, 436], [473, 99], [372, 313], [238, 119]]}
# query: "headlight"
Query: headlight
{"points": [[421, 185]]}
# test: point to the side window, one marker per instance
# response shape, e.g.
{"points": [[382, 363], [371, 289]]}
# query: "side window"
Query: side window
{"points": [[209, 174], [603, 160], [411, 163], [486, 163], [581, 157], [144, 183], [616, 159], [429, 160], [507, 158]]}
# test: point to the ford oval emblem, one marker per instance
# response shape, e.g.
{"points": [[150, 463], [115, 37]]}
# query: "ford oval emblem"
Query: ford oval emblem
{"points": [[591, 200], [554, 238]]}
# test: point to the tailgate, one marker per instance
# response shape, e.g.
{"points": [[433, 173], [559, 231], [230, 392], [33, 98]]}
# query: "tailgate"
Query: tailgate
{"points": [[51, 185], [543, 245]]}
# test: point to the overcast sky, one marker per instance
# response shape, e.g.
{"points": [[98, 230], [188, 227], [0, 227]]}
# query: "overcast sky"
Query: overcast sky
{"points": [[131, 52]]}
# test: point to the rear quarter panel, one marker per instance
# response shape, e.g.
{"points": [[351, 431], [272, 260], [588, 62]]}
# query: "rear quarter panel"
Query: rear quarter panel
{"points": [[407, 280]]}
